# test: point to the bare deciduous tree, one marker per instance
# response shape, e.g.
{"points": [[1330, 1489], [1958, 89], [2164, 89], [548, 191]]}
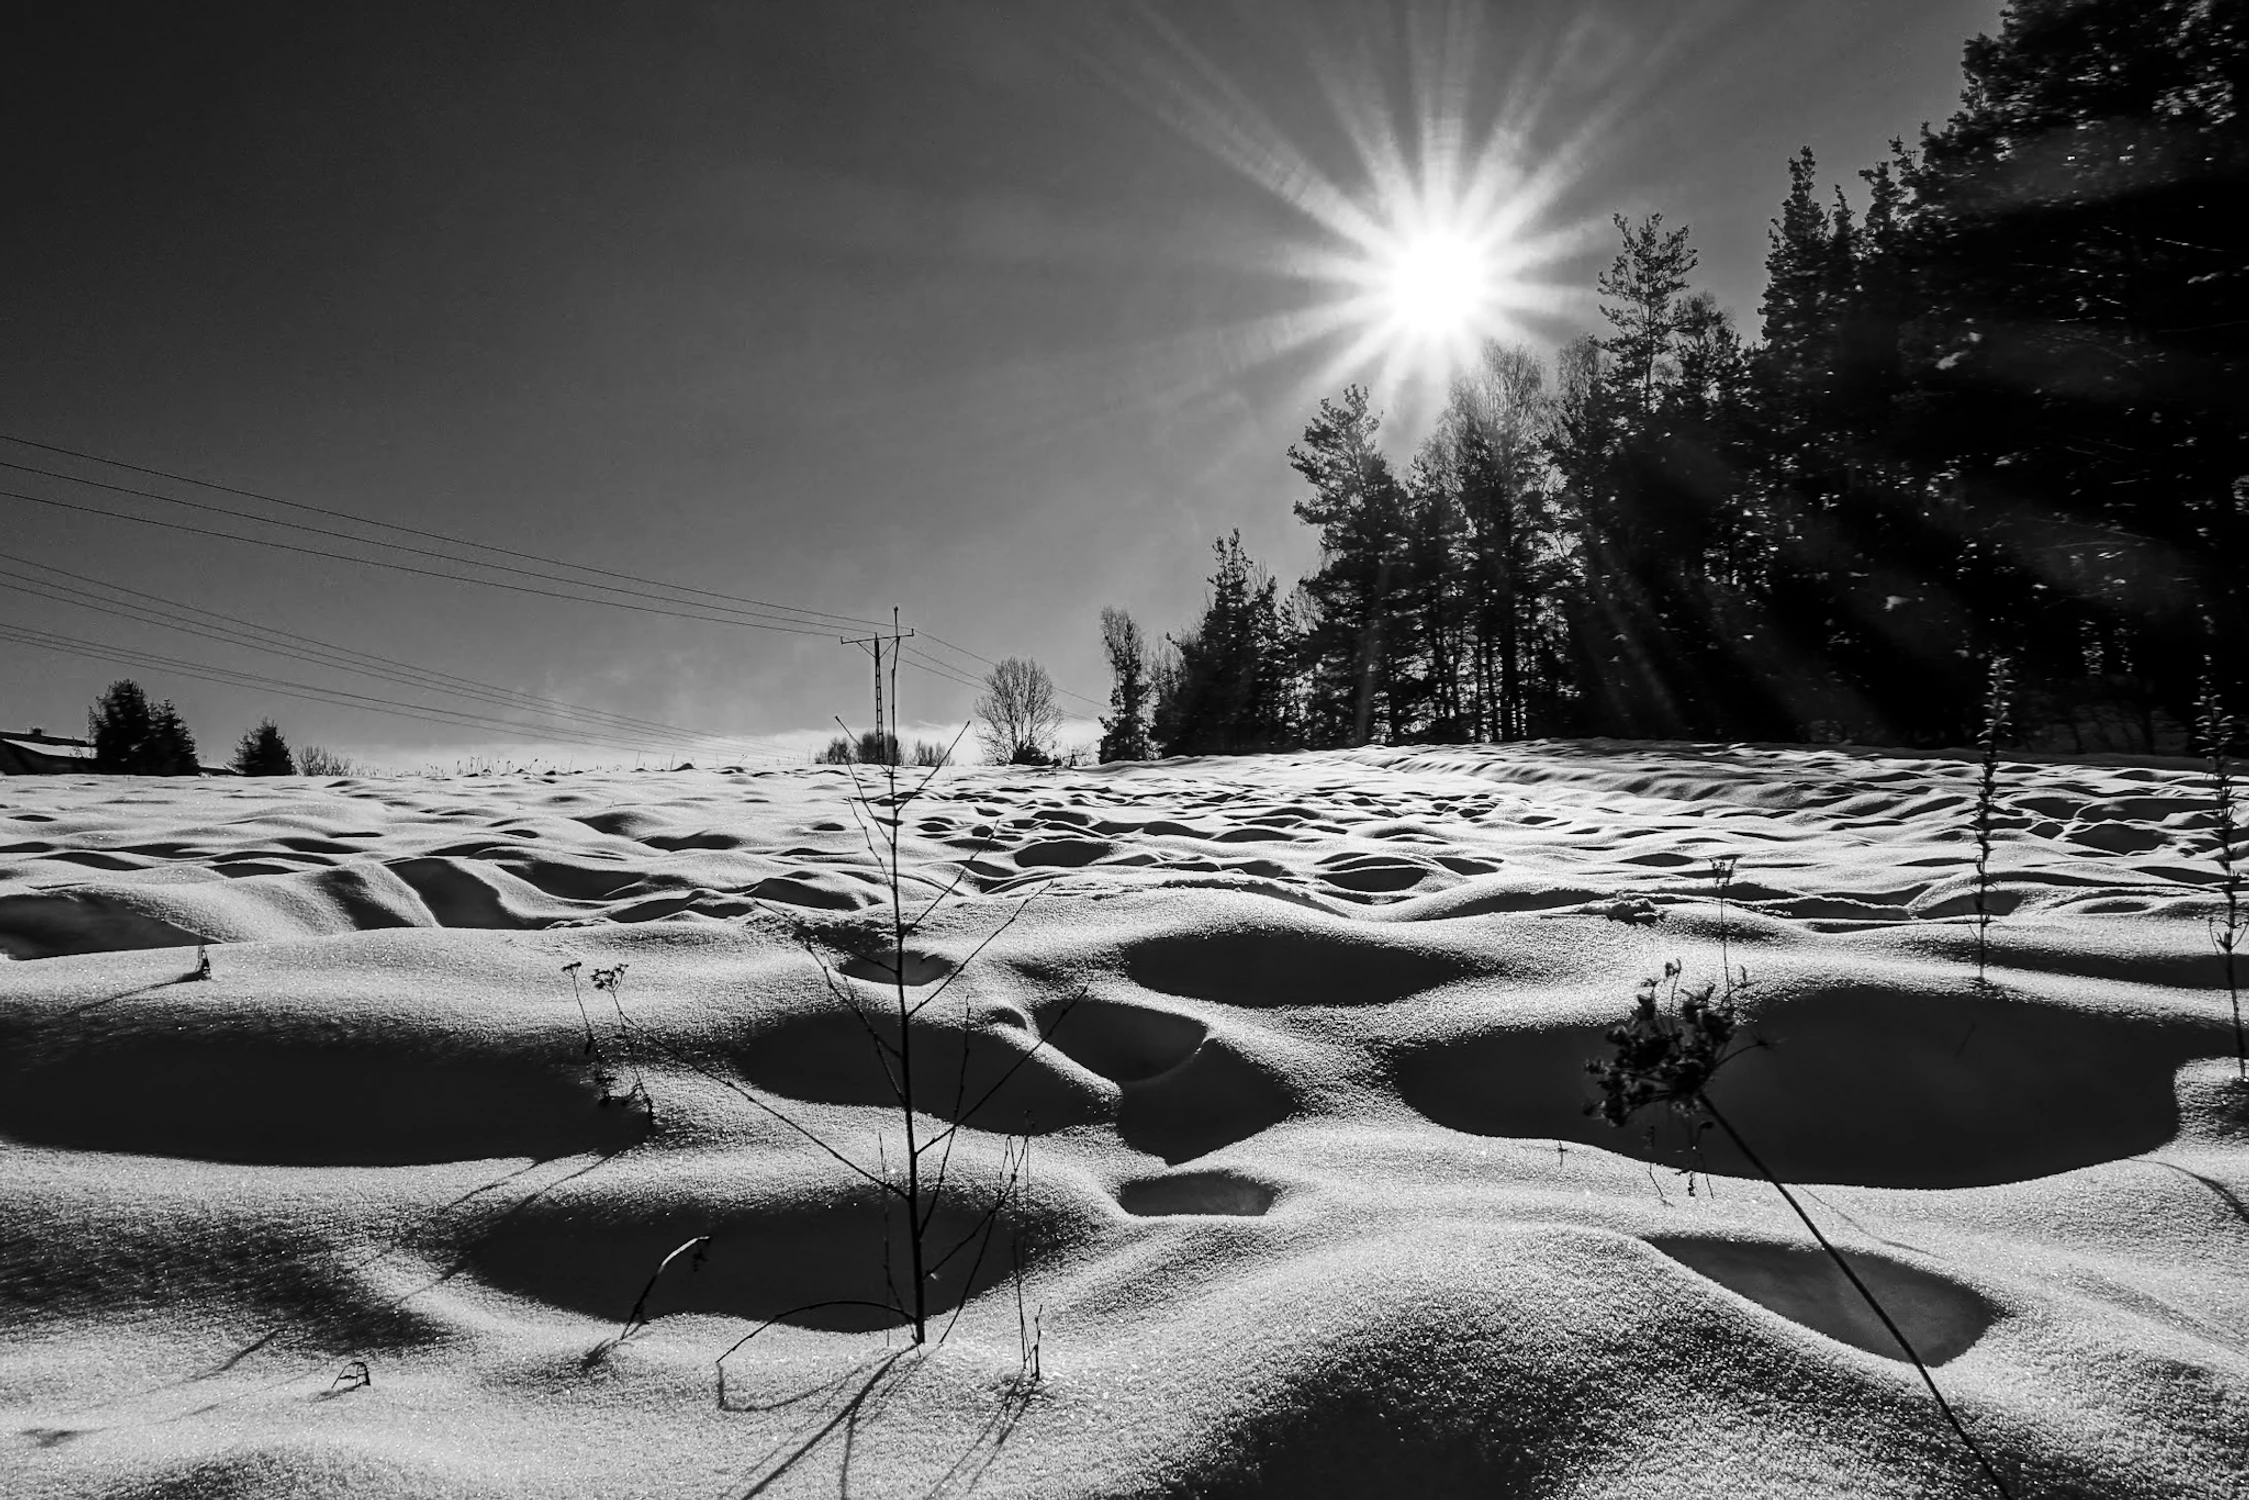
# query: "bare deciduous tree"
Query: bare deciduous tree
{"points": [[1017, 714]]}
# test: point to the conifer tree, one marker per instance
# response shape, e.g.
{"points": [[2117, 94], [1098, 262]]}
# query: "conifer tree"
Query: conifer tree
{"points": [[1124, 732], [133, 737], [1487, 450], [1642, 302], [1668, 625], [1354, 649], [263, 752], [1807, 272], [1230, 690], [121, 724], [171, 749], [2079, 267]]}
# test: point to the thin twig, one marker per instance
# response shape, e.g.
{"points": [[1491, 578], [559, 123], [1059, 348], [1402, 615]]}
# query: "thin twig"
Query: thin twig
{"points": [[637, 1318], [947, 982], [990, 1224], [673, 1055], [986, 1096]]}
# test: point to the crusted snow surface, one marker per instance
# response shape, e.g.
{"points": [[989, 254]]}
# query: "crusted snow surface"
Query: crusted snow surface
{"points": [[1297, 1045]]}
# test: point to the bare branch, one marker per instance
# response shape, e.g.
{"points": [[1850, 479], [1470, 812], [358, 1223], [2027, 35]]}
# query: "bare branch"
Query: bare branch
{"points": [[947, 982], [986, 1097]]}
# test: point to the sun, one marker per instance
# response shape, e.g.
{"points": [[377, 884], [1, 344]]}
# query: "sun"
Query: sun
{"points": [[1431, 272], [1438, 223], [1437, 284]]}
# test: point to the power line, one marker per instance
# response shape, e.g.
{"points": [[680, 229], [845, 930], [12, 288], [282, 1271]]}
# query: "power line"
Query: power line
{"points": [[439, 536], [376, 562], [327, 654], [784, 622], [918, 660], [987, 661], [438, 681], [231, 677], [105, 651], [963, 650], [934, 668], [731, 609]]}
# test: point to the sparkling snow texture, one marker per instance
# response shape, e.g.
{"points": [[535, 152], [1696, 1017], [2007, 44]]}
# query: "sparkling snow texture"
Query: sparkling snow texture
{"points": [[1313, 1205]]}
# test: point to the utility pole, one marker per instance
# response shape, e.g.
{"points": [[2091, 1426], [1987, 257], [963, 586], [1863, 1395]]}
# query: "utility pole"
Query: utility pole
{"points": [[886, 733]]}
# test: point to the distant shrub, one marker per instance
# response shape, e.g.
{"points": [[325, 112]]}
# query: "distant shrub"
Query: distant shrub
{"points": [[929, 753], [319, 760], [263, 752], [869, 749]]}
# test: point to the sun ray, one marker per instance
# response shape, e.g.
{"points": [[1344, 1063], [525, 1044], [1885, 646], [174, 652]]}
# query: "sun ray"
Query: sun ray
{"points": [[1442, 225]]}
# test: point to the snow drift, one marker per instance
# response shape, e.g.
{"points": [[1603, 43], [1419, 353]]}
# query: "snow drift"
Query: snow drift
{"points": [[1298, 1044]]}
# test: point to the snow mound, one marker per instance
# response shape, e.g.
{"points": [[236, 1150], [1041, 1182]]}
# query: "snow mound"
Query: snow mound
{"points": [[508, 1108]]}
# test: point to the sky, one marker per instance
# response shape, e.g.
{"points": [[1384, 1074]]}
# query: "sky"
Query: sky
{"points": [[994, 314]]}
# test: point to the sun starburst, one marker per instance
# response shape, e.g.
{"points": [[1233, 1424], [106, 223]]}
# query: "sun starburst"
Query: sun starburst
{"points": [[1443, 233]]}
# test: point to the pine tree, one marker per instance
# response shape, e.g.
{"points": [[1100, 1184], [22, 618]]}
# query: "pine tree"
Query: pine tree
{"points": [[1432, 608], [1487, 451], [2073, 247], [1124, 732], [1227, 689], [170, 750], [1668, 626], [1796, 452], [1354, 650], [1807, 273], [263, 752], [1643, 305], [121, 724]]}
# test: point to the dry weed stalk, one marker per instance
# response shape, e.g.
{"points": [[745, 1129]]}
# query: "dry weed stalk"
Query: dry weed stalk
{"points": [[1722, 867], [1670, 1057], [1999, 690], [2215, 728]]}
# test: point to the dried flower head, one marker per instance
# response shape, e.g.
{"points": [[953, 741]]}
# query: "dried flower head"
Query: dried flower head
{"points": [[1667, 1052]]}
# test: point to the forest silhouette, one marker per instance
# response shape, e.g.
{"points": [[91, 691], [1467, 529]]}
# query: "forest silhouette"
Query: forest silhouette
{"points": [[1996, 411]]}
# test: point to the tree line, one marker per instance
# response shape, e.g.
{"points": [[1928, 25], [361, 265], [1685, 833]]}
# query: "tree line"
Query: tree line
{"points": [[132, 736], [1999, 410]]}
